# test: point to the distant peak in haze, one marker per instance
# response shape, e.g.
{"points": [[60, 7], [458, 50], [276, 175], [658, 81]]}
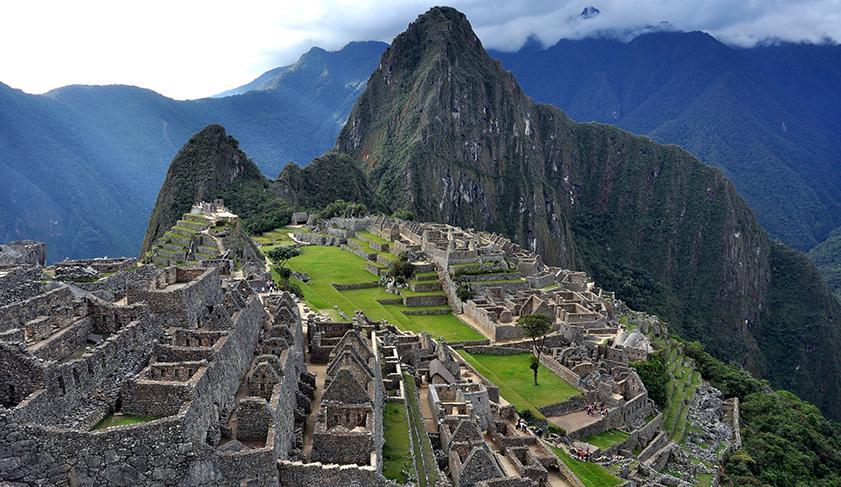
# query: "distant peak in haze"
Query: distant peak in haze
{"points": [[589, 12], [354, 52]]}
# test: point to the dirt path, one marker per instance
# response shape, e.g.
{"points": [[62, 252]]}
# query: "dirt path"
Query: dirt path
{"points": [[320, 372]]}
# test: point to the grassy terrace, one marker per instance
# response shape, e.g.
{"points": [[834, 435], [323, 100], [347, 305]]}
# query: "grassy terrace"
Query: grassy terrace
{"points": [[397, 459], [274, 238], [121, 420], [328, 265], [607, 439], [372, 238], [684, 381], [511, 373], [591, 474]]}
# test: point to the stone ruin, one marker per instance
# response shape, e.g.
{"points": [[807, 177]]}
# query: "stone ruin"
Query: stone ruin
{"points": [[209, 235], [190, 379], [27, 253]]}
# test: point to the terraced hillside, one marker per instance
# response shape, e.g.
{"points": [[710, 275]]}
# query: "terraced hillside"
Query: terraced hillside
{"points": [[684, 381], [193, 238], [202, 236]]}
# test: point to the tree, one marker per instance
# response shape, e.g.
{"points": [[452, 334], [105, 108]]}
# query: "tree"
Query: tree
{"points": [[535, 365], [536, 327], [401, 269], [655, 376], [281, 255], [463, 292]]}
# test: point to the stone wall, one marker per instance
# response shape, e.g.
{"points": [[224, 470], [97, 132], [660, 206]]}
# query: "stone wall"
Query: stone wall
{"points": [[16, 314], [23, 252], [433, 300], [562, 371], [19, 283], [105, 367], [183, 303], [351, 287], [329, 475]]}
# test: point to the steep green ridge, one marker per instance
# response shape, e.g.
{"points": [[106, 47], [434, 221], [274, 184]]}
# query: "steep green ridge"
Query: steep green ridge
{"points": [[444, 131], [209, 162], [785, 440], [328, 178], [767, 116], [827, 258]]}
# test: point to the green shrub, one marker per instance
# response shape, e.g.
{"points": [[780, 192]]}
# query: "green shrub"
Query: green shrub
{"points": [[401, 269], [655, 376], [403, 214], [463, 292], [342, 208]]}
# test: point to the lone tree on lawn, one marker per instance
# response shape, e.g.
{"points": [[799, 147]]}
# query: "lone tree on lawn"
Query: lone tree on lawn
{"points": [[535, 364], [281, 255], [536, 327]]}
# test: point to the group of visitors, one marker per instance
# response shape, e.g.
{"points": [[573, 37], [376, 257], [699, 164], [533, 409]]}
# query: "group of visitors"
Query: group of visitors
{"points": [[594, 409], [523, 425], [582, 454]]}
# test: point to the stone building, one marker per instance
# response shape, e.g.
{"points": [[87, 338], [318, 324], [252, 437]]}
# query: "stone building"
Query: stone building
{"points": [[189, 379]]}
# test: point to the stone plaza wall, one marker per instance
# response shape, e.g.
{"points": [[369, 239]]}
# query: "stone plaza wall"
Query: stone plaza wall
{"points": [[329, 475], [562, 371]]}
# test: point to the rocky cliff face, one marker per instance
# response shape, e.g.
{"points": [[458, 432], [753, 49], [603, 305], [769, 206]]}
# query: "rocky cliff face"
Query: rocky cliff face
{"points": [[209, 163], [444, 131]]}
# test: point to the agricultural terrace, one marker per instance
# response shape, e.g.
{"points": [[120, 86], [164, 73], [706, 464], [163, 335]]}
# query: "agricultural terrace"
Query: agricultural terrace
{"points": [[591, 474], [684, 379], [326, 265]]}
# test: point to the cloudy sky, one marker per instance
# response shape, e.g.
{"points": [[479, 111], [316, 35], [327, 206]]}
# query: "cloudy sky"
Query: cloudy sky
{"points": [[190, 49]]}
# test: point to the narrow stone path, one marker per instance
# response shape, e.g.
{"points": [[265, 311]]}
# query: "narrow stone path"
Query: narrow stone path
{"points": [[320, 372]]}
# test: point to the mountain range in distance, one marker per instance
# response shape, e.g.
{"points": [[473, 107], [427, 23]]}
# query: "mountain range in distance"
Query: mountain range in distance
{"points": [[81, 165], [84, 162]]}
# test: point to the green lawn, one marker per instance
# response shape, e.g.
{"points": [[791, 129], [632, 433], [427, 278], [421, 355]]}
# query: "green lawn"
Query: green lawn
{"points": [[372, 238], [274, 238], [591, 474], [328, 265], [607, 439], [397, 459], [122, 420], [511, 373]]}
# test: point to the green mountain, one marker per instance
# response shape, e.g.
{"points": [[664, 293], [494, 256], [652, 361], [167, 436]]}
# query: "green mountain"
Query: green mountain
{"points": [[211, 165], [210, 162], [444, 131], [81, 165], [827, 258], [767, 116]]}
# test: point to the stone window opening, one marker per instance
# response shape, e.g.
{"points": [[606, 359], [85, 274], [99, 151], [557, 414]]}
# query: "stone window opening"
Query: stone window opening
{"points": [[61, 387], [76, 380]]}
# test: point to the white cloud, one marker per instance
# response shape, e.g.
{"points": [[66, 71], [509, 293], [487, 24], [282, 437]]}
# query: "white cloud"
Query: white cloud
{"points": [[188, 49]]}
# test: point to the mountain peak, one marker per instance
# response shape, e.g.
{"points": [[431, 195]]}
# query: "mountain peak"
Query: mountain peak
{"points": [[441, 24], [208, 163]]}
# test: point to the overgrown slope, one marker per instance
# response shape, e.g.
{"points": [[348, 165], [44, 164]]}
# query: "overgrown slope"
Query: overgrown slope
{"points": [[767, 116]]}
